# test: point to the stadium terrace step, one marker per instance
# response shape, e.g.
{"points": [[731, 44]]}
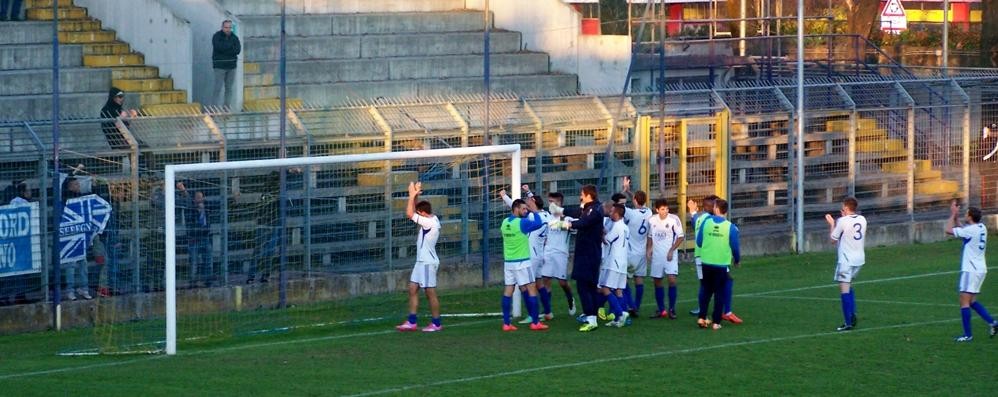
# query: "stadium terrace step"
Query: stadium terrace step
{"points": [[338, 93], [900, 167], [161, 97], [69, 13], [270, 7], [47, 3], [134, 72], [889, 145], [39, 107], [105, 61], [358, 24], [941, 187], [270, 104], [378, 178], [135, 85], [403, 68], [87, 37], [38, 56], [378, 46], [107, 49], [25, 33], [39, 81], [251, 68], [78, 26], [173, 109]]}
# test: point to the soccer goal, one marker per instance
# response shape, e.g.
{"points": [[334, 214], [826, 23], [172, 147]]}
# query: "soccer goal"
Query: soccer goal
{"points": [[263, 246]]}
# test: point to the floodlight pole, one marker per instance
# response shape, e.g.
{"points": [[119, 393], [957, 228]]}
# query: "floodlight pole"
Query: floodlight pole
{"points": [[485, 176], [799, 218], [282, 287]]}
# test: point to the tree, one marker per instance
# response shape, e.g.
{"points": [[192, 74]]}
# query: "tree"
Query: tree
{"points": [[989, 33], [861, 16]]}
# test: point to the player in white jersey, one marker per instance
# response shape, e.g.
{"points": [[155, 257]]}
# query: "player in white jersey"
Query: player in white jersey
{"points": [[664, 238], [973, 267], [636, 220], [537, 237], [613, 272], [849, 232], [556, 256], [424, 272]]}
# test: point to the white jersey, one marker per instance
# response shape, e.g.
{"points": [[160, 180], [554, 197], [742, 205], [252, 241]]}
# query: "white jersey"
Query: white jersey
{"points": [[615, 245], [663, 235], [637, 221], [850, 232], [975, 240], [539, 236], [426, 241], [557, 241]]}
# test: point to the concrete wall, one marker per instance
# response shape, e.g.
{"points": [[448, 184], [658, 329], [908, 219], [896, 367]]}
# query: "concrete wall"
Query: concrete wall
{"points": [[37, 317], [154, 30], [554, 27], [205, 19], [273, 7]]}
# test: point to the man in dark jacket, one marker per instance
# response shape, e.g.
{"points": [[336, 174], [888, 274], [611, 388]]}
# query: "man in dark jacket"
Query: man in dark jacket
{"points": [[588, 252], [224, 54], [113, 109]]}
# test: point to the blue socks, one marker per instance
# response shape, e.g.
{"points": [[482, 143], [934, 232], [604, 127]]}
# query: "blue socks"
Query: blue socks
{"points": [[846, 308], [545, 295], [532, 308], [660, 298], [981, 311], [435, 321], [639, 292], [507, 306], [615, 305], [672, 297], [628, 301], [965, 315], [412, 318], [728, 287]]}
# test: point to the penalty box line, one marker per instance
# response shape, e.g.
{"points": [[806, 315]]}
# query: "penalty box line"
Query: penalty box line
{"points": [[636, 357]]}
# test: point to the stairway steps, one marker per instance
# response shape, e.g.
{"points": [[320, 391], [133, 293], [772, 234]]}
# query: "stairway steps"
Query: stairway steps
{"points": [[88, 37], [72, 13], [144, 85], [116, 48], [104, 61]]}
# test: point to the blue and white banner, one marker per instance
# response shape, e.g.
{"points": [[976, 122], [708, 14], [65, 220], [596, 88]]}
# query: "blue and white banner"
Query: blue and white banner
{"points": [[83, 218], [20, 240]]}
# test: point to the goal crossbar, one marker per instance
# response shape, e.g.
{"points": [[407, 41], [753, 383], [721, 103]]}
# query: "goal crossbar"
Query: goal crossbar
{"points": [[169, 190]]}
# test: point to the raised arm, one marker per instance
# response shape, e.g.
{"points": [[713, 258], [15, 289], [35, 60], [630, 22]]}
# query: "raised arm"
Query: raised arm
{"points": [[506, 199], [626, 188], [415, 188], [954, 217], [831, 228]]}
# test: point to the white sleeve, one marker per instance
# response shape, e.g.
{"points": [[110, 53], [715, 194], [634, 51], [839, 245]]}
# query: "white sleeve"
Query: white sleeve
{"points": [[422, 221], [961, 232], [507, 200], [679, 228], [837, 231]]}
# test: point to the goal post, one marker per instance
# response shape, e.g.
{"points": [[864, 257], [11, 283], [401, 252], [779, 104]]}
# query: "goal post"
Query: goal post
{"points": [[172, 171]]}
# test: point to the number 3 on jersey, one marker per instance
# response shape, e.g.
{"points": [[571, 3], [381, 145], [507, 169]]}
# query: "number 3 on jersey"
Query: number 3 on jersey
{"points": [[859, 231]]}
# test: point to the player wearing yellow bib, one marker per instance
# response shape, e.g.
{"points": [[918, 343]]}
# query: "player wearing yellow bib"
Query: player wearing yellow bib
{"points": [[973, 267], [719, 249], [517, 268]]}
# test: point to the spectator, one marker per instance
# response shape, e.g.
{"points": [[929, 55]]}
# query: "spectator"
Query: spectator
{"points": [[225, 49], [76, 272], [198, 227], [114, 109], [18, 193], [15, 10]]}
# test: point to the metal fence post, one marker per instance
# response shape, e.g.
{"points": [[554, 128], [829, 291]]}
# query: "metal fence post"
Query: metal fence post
{"points": [[642, 147], [853, 123], [681, 183], [910, 200], [722, 161]]}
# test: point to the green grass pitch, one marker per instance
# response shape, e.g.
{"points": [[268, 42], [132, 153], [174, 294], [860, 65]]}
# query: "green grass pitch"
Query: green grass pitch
{"points": [[906, 300]]}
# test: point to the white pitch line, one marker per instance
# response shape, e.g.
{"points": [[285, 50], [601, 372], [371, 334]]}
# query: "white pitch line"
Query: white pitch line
{"points": [[953, 305], [874, 281], [636, 357]]}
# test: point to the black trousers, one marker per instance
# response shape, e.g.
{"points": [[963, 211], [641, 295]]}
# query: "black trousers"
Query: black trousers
{"points": [[714, 278], [587, 295]]}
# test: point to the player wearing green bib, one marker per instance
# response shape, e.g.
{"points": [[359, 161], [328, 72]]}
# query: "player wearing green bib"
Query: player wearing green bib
{"points": [[697, 215], [517, 269], [719, 249]]}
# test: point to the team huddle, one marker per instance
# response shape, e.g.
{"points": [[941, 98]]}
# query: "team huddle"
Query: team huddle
{"points": [[617, 246]]}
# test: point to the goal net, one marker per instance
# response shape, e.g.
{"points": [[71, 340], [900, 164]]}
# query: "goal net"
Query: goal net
{"points": [[274, 246]]}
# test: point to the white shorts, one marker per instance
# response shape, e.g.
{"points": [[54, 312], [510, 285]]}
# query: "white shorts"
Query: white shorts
{"points": [[637, 266], [699, 266], [536, 262], [555, 266], [971, 282], [844, 273], [424, 275], [662, 268], [611, 279], [518, 273]]}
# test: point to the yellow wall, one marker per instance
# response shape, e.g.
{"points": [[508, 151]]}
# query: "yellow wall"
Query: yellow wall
{"points": [[936, 16]]}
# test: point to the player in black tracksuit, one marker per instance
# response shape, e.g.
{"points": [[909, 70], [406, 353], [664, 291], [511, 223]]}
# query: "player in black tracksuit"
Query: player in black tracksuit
{"points": [[588, 252]]}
